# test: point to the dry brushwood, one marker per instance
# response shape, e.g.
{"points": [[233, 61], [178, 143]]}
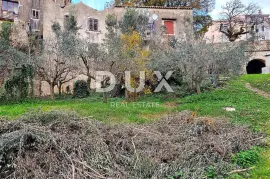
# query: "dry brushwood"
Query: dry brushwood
{"points": [[62, 145]]}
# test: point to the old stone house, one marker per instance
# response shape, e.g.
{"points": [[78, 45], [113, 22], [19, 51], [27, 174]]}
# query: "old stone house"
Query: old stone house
{"points": [[36, 17], [261, 46]]}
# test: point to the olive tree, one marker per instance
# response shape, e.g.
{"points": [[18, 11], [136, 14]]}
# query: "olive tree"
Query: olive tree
{"points": [[54, 67], [10, 56], [197, 61], [125, 45]]}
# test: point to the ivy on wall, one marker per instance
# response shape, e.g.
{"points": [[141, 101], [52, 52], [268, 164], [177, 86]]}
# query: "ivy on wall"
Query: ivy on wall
{"points": [[20, 85]]}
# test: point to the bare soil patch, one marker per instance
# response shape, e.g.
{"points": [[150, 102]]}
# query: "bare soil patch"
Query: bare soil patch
{"points": [[258, 91]]}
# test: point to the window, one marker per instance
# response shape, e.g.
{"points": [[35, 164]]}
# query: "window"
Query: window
{"points": [[34, 25], [92, 24], [4, 5], [263, 37], [10, 8], [262, 28], [225, 27], [169, 27], [16, 8], [35, 13], [150, 29]]}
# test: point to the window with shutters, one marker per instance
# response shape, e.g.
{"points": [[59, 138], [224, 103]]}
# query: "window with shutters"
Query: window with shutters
{"points": [[35, 14], [93, 24], [169, 27]]}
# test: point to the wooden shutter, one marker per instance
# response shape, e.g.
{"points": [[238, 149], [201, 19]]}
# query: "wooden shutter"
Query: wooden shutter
{"points": [[169, 25], [91, 24], [95, 25]]}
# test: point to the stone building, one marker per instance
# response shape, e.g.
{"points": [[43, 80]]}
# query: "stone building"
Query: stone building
{"points": [[261, 46], [37, 16], [262, 29], [92, 21]]}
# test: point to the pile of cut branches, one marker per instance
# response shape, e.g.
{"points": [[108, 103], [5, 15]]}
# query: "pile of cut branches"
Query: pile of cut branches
{"points": [[63, 145]]}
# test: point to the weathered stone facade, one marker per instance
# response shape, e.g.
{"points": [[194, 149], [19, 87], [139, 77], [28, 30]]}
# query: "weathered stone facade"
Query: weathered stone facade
{"points": [[182, 18], [259, 49], [50, 11]]}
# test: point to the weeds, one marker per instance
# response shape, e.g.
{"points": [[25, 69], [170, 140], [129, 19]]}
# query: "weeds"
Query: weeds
{"points": [[210, 172], [247, 158]]}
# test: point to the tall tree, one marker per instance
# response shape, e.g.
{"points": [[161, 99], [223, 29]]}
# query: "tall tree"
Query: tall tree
{"points": [[127, 47], [234, 14], [196, 61], [54, 62], [10, 55], [53, 66]]}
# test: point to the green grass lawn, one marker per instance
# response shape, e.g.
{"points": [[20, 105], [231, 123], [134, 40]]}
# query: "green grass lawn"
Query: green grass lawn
{"points": [[259, 81], [116, 110], [250, 109]]}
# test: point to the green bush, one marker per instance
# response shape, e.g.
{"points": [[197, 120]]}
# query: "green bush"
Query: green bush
{"points": [[177, 175], [80, 89], [2, 94], [247, 158], [210, 172], [16, 88]]}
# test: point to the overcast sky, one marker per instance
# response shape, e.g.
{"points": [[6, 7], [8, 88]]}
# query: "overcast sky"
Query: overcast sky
{"points": [[265, 4]]}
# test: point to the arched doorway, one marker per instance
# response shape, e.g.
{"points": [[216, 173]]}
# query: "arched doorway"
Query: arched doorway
{"points": [[255, 66]]}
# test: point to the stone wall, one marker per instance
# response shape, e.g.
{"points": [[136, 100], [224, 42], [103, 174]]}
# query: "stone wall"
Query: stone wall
{"points": [[55, 11]]}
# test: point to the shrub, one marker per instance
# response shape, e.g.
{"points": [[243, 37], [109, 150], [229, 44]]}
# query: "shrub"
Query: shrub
{"points": [[16, 88], [247, 158], [80, 89], [2, 95], [210, 172]]}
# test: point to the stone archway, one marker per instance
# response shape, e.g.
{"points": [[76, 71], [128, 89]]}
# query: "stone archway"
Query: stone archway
{"points": [[255, 66]]}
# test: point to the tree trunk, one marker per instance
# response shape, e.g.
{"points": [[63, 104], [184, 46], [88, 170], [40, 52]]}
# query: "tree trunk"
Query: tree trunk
{"points": [[59, 86], [88, 80], [52, 91], [105, 98], [30, 87], [198, 88], [40, 88], [126, 94], [135, 96]]}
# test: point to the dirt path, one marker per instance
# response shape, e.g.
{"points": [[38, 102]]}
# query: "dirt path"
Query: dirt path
{"points": [[258, 91]]}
